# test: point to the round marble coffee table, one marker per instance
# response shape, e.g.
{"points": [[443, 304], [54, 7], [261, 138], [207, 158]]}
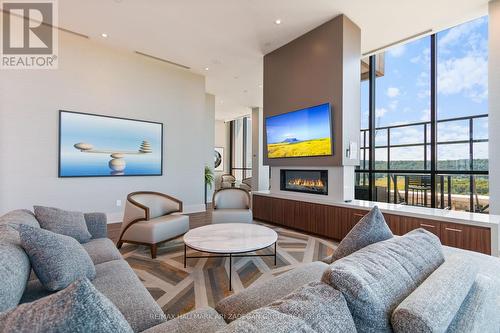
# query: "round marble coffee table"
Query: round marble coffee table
{"points": [[229, 240]]}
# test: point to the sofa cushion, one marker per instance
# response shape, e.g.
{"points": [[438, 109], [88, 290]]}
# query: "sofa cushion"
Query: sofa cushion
{"points": [[14, 268], [78, 308], [63, 222], [372, 228], [101, 250], [118, 282], [205, 320], [375, 279], [57, 260], [315, 307], [20, 216], [479, 311], [259, 295], [434, 304]]}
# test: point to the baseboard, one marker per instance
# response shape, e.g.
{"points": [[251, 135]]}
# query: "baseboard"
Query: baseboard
{"points": [[188, 209]]}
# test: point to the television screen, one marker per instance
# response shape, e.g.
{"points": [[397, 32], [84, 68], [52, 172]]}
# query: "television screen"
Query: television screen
{"points": [[300, 133]]}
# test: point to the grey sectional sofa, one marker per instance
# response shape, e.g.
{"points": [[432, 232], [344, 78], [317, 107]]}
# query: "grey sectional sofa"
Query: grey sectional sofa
{"points": [[403, 284], [115, 278]]}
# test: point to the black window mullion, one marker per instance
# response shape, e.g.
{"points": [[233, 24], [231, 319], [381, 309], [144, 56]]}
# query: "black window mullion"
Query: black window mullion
{"points": [[471, 164], [433, 118], [371, 128]]}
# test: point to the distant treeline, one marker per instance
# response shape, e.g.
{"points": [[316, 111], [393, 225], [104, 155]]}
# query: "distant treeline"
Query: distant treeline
{"points": [[479, 164]]}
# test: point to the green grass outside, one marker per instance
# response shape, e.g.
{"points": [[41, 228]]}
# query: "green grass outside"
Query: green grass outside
{"points": [[316, 147]]}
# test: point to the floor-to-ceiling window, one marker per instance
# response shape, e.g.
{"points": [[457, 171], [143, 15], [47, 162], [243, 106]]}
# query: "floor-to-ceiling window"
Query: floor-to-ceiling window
{"points": [[427, 112], [241, 148]]}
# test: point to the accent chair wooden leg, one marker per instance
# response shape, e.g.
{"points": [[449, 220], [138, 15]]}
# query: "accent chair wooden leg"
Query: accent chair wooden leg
{"points": [[154, 247], [119, 245]]}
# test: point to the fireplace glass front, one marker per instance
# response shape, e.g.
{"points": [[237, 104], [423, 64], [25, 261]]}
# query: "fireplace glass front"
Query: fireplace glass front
{"points": [[306, 181]]}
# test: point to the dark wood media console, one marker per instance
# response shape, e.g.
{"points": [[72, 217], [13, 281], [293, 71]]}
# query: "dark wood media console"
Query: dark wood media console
{"points": [[335, 222]]}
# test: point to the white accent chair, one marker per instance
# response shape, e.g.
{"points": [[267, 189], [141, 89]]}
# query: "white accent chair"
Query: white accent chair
{"points": [[152, 218], [231, 205]]}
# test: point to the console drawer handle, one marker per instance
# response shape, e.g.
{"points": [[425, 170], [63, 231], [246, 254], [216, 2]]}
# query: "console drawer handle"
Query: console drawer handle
{"points": [[358, 215], [427, 225], [453, 229]]}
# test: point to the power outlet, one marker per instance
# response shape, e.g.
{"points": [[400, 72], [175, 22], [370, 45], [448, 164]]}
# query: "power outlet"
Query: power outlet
{"points": [[118, 203]]}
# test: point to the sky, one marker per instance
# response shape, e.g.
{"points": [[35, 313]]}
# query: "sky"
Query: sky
{"points": [[403, 93], [305, 124]]}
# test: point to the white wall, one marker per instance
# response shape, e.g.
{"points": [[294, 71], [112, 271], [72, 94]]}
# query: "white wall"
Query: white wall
{"points": [[210, 121], [97, 79], [494, 104]]}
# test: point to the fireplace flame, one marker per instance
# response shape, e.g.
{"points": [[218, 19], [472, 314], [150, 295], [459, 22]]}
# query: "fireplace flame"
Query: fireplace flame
{"points": [[317, 183]]}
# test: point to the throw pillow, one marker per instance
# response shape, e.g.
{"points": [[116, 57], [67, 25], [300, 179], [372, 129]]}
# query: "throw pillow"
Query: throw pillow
{"points": [[375, 279], [63, 222], [314, 307], [78, 308], [372, 228], [57, 260], [14, 268]]}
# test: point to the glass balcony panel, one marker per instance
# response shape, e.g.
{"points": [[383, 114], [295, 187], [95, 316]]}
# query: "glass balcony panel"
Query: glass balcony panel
{"points": [[407, 158], [457, 130], [453, 156]]}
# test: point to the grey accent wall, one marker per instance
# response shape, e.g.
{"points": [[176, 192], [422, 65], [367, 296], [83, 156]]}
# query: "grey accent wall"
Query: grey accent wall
{"points": [[321, 66], [99, 79], [494, 104]]}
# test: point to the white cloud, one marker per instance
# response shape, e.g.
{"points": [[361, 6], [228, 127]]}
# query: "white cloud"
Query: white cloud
{"points": [[458, 33], [424, 94], [426, 115], [393, 104], [380, 112], [422, 58], [397, 51], [452, 131], [392, 92], [467, 75]]}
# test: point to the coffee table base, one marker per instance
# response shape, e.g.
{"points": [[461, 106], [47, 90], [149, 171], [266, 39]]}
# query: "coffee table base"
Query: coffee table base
{"points": [[230, 256]]}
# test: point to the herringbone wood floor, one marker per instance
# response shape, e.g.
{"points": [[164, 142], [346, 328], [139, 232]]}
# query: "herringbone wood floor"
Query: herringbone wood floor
{"points": [[204, 282]]}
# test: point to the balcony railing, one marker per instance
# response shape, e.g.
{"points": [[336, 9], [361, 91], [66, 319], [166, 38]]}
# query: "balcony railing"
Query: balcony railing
{"points": [[461, 183]]}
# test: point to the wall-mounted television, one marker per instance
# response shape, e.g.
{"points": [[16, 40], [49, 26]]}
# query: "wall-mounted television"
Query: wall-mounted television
{"points": [[302, 133]]}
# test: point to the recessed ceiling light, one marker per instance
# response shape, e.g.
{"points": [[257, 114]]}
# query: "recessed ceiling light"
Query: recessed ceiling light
{"points": [[104, 35], [278, 21], [221, 102], [206, 68]]}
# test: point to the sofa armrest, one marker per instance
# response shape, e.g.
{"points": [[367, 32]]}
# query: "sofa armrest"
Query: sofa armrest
{"points": [[97, 224]]}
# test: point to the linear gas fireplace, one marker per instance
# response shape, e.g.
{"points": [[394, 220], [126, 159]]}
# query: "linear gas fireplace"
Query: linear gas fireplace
{"points": [[306, 181]]}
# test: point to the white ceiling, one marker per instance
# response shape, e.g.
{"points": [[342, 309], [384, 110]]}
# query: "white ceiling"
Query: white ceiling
{"points": [[230, 37]]}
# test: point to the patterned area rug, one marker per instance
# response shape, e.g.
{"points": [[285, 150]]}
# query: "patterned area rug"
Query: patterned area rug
{"points": [[204, 281]]}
